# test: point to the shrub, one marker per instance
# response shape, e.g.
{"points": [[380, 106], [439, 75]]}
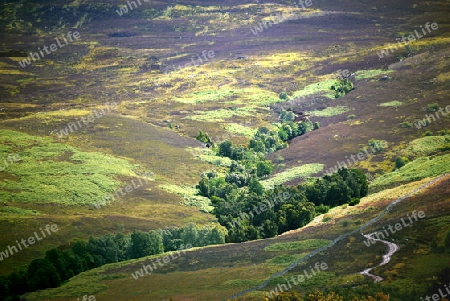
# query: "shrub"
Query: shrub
{"points": [[401, 161], [405, 124], [283, 95], [432, 107], [354, 202], [428, 133], [351, 117]]}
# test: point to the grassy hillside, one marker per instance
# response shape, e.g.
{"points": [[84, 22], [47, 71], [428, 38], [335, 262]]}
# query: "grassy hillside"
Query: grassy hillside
{"points": [[239, 79]]}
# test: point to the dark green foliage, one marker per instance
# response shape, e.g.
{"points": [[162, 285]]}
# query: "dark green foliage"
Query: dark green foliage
{"points": [[146, 243], [203, 137], [264, 168], [400, 161], [255, 187], [342, 87], [377, 145], [283, 95], [59, 266], [42, 274], [432, 107], [225, 149], [347, 185], [287, 115]]}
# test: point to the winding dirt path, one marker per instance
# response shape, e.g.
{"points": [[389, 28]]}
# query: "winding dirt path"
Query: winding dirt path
{"points": [[341, 237], [392, 248]]}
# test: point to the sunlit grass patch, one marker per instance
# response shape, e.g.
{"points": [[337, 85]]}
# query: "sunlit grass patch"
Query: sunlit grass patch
{"points": [[222, 114], [190, 196], [239, 129], [418, 169], [204, 96], [11, 210], [362, 74], [292, 173], [303, 245], [322, 88], [209, 156], [426, 145], [394, 103], [329, 111], [57, 173]]}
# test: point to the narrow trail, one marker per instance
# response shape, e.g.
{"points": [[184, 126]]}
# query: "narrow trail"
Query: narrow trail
{"points": [[392, 248], [339, 238]]}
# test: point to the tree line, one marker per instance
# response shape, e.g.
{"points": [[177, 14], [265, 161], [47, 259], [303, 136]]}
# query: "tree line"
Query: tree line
{"points": [[240, 192], [61, 264]]}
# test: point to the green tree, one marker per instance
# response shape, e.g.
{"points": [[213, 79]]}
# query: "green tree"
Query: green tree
{"points": [[57, 259], [255, 187], [156, 243], [264, 168], [189, 234], [42, 274], [225, 149], [140, 244], [400, 162]]}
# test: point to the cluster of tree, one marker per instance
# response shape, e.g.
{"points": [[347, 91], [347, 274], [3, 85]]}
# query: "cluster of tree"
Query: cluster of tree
{"points": [[253, 212], [346, 186], [267, 142], [60, 264]]}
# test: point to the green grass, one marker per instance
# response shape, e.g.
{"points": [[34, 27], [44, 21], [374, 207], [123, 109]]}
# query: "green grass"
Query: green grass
{"points": [[222, 114], [362, 74], [190, 196], [208, 155], [303, 245], [394, 103], [11, 210], [323, 88], [56, 173], [329, 111], [239, 129], [418, 169], [425, 145], [240, 283], [302, 171], [205, 96]]}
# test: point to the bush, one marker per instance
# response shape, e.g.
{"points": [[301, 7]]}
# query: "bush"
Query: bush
{"points": [[428, 133], [342, 87], [351, 117], [405, 125], [354, 202], [321, 209], [432, 107], [401, 161]]}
